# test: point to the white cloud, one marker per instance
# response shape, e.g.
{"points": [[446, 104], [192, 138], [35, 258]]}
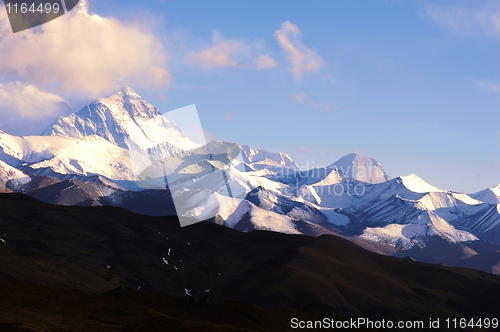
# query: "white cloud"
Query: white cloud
{"points": [[265, 61], [302, 58], [483, 20], [29, 101], [84, 52], [219, 55], [226, 52]]}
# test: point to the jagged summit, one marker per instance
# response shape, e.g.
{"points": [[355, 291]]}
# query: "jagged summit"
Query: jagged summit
{"points": [[124, 119], [265, 157]]}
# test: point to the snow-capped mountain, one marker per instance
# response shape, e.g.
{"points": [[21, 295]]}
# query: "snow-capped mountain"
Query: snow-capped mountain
{"points": [[9, 173], [361, 168], [124, 119], [119, 139], [416, 184], [406, 200], [49, 155], [263, 159], [115, 137]]}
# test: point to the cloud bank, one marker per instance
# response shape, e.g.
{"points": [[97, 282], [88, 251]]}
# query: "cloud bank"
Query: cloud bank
{"points": [[83, 52], [29, 101]]}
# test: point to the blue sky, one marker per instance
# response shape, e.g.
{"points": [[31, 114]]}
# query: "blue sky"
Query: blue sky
{"points": [[413, 84]]}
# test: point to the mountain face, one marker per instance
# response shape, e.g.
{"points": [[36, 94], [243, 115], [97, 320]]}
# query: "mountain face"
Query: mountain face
{"points": [[361, 168], [124, 119], [52, 155], [490, 195]]}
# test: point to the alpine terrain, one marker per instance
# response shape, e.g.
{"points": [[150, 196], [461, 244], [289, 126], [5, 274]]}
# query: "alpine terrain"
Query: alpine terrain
{"points": [[98, 155]]}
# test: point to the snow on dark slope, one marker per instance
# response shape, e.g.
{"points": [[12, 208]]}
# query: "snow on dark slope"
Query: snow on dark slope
{"points": [[13, 176]]}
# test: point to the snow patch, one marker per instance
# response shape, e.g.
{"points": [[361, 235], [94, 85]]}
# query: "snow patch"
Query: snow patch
{"points": [[335, 217], [262, 219]]}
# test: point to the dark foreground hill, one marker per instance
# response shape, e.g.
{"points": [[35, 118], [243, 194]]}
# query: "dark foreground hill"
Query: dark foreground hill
{"points": [[479, 254], [97, 249], [29, 307]]}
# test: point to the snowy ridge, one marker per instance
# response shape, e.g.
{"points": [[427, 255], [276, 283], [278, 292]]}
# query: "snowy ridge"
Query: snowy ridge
{"points": [[416, 184], [401, 212], [15, 177], [490, 195], [249, 217], [65, 155], [262, 158], [416, 232]]}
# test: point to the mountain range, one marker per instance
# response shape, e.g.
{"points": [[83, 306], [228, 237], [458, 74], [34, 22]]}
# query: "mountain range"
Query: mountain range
{"points": [[93, 157]]}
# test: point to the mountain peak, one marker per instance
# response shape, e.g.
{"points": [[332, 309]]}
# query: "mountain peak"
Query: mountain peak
{"points": [[129, 91], [490, 195], [129, 100], [265, 157], [124, 119], [123, 94], [414, 183], [361, 168]]}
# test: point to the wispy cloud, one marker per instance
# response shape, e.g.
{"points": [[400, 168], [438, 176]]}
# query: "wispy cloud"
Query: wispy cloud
{"points": [[108, 54], [339, 111], [264, 62], [229, 116], [225, 51], [487, 85], [483, 20], [303, 150], [327, 109], [302, 58], [302, 98], [299, 97], [29, 101], [219, 54]]}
